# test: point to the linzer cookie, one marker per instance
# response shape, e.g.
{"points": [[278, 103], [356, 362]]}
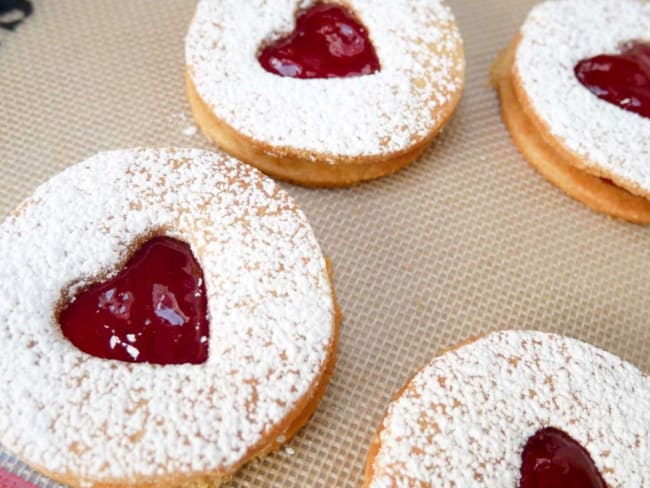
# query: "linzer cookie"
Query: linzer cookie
{"points": [[575, 94], [324, 94], [165, 316], [517, 409]]}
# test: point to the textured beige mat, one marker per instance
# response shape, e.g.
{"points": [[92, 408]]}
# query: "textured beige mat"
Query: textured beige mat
{"points": [[467, 240]]}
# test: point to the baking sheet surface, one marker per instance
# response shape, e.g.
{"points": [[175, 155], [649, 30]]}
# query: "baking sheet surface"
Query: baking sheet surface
{"points": [[467, 240]]}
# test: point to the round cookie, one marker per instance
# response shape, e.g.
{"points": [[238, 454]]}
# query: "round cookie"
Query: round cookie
{"points": [[324, 132], [88, 421], [593, 150], [465, 419]]}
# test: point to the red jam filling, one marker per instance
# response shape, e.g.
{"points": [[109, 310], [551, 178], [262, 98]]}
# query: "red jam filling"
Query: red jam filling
{"points": [[622, 79], [328, 42], [154, 310], [553, 459]]}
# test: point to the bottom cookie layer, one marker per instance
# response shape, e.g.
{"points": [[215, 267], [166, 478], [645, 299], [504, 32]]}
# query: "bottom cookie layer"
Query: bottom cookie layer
{"points": [[597, 193], [292, 167]]}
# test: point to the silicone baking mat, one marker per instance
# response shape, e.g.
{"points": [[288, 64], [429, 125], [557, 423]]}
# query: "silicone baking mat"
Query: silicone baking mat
{"points": [[467, 240]]}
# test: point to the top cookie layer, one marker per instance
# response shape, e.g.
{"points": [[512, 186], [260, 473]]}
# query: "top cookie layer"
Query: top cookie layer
{"points": [[269, 301], [612, 142], [422, 69], [464, 419]]}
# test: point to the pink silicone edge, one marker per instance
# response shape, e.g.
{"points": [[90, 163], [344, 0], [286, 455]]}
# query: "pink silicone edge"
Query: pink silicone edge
{"points": [[10, 480]]}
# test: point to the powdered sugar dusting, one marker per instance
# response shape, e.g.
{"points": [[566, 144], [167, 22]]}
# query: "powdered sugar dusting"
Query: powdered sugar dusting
{"points": [[269, 300], [555, 37], [465, 418], [190, 130], [368, 115]]}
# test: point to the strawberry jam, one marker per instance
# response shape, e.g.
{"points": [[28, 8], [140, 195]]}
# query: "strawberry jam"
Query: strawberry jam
{"points": [[622, 79], [553, 459], [328, 42], [153, 310]]}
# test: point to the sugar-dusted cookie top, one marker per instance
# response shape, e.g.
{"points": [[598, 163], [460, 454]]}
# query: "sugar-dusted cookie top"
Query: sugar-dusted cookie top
{"points": [[269, 302], [421, 76], [465, 419], [556, 36]]}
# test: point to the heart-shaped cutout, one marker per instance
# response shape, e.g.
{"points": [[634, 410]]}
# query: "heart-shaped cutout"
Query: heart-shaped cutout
{"points": [[622, 79], [328, 42], [153, 310], [553, 459]]}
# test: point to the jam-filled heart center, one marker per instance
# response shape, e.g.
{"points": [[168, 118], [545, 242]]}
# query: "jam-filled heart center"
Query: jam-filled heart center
{"points": [[328, 42], [153, 310], [553, 459], [622, 79]]}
